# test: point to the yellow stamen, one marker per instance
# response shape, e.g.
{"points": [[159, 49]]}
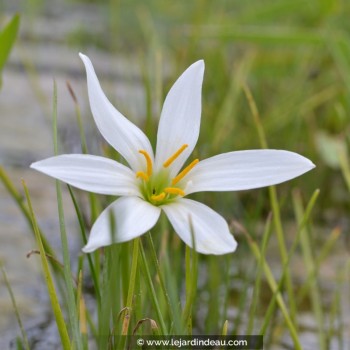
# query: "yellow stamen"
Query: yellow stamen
{"points": [[174, 190], [142, 175], [148, 160], [158, 197], [184, 172], [174, 156]]}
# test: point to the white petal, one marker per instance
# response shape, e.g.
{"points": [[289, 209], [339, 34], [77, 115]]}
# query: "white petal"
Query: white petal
{"points": [[210, 230], [90, 173], [245, 170], [118, 131], [131, 217], [180, 119]]}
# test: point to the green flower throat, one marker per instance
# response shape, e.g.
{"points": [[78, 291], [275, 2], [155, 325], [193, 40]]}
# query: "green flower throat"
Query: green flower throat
{"points": [[158, 188]]}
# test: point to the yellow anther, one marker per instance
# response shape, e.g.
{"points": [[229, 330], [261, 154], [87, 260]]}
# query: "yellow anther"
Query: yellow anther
{"points": [[142, 175], [174, 156], [184, 172], [174, 190], [158, 197], [148, 160]]}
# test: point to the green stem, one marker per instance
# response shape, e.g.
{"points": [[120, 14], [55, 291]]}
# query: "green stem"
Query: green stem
{"points": [[65, 249], [160, 275], [191, 284], [152, 290], [82, 230], [130, 296]]}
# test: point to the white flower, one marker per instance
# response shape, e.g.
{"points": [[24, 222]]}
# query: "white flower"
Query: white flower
{"points": [[155, 183]]}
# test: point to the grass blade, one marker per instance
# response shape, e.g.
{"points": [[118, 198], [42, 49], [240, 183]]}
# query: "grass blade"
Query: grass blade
{"points": [[274, 204], [310, 264], [160, 276], [274, 287], [65, 341], [7, 39], [14, 304], [83, 234], [18, 198]]}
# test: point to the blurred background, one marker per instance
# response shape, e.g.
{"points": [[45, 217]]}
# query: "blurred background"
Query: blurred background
{"points": [[293, 54]]}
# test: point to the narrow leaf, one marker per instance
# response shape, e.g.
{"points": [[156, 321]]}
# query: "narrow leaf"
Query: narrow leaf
{"points": [[7, 38], [48, 279]]}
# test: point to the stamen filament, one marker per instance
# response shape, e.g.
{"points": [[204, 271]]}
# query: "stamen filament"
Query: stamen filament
{"points": [[148, 160], [184, 172], [174, 190], [174, 156], [142, 175], [158, 197]]}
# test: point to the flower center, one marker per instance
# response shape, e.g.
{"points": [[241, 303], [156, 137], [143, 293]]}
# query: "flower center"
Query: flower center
{"points": [[158, 188]]}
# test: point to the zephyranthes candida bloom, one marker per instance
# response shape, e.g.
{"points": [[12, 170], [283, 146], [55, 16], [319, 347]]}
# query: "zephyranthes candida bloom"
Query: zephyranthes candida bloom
{"points": [[162, 181]]}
